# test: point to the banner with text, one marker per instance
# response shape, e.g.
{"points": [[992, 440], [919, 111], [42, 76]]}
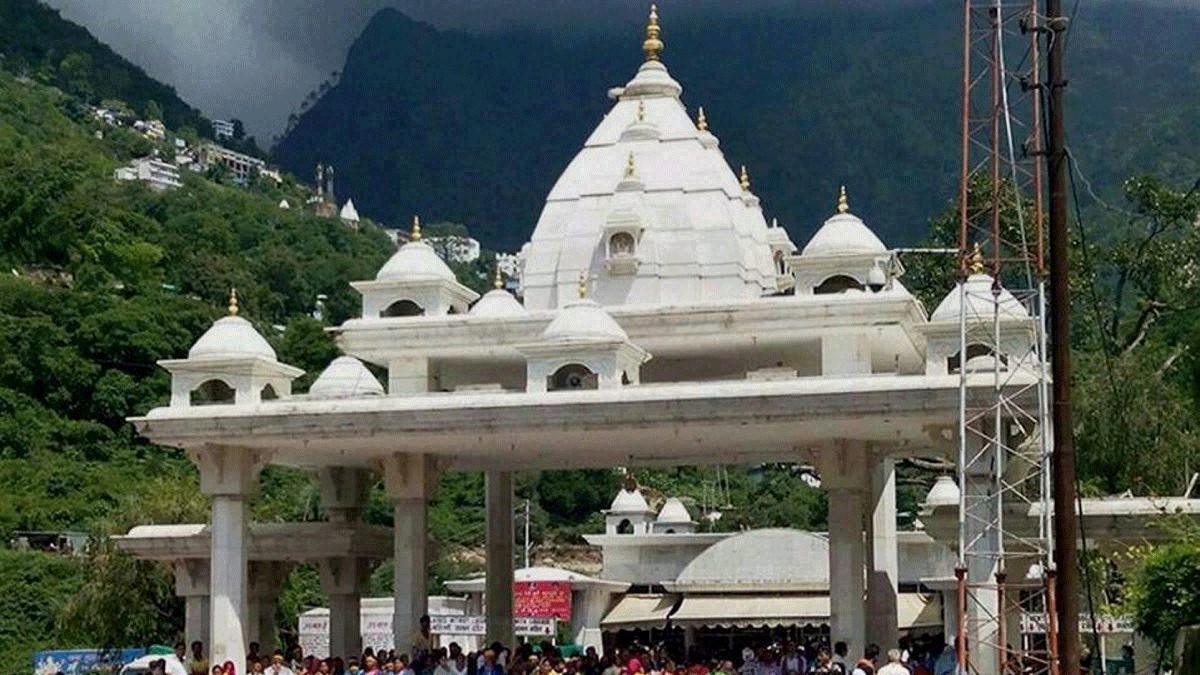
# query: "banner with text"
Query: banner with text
{"points": [[542, 599]]}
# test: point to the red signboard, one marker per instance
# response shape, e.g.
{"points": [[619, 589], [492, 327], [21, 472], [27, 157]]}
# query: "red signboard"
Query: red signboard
{"points": [[542, 599]]}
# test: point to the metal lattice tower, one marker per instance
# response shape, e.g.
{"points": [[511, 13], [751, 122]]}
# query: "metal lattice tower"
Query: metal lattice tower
{"points": [[1006, 567]]}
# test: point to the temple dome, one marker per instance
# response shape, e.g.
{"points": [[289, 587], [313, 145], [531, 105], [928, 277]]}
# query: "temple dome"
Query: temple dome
{"points": [[415, 261], [231, 337], [629, 501], [983, 302], [844, 234], [701, 239], [773, 557], [943, 493], [345, 377], [497, 302], [584, 319], [673, 512]]}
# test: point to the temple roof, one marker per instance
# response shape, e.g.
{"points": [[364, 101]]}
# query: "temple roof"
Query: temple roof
{"points": [[702, 235]]}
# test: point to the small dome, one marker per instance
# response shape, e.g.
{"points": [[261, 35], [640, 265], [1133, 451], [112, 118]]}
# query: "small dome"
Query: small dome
{"points": [[943, 493], [764, 557], [231, 337], [982, 302], [497, 302], [345, 377], [584, 319], [673, 512], [415, 261], [629, 501], [843, 234]]}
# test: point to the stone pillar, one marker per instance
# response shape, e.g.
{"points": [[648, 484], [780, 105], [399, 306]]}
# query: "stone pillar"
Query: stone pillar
{"points": [[983, 605], [228, 474], [883, 571], [498, 595], [410, 481], [343, 581], [846, 566], [191, 584], [846, 476], [266, 579]]}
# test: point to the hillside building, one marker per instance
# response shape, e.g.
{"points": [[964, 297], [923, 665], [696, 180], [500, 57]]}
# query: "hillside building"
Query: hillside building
{"points": [[159, 175], [222, 129]]}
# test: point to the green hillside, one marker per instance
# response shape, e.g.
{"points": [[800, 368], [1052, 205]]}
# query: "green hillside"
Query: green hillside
{"points": [[810, 96], [36, 42]]}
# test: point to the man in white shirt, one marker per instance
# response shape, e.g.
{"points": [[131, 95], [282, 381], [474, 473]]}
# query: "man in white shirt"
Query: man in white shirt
{"points": [[893, 667], [277, 667]]}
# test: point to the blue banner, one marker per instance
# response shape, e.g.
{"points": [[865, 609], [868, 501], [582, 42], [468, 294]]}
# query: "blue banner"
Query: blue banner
{"points": [[83, 661]]}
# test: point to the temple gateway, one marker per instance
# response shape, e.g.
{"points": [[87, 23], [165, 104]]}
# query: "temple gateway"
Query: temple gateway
{"points": [[663, 321]]}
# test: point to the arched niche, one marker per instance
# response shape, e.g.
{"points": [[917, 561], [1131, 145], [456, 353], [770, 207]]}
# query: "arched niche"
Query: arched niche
{"points": [[402, 308], [838, 283], [268, 393], [974, 350], [572, 376], [213, 392], [625, 527]]}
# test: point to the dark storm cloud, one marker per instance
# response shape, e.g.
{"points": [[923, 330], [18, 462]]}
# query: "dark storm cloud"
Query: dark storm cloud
{"points": [[257, 59]]}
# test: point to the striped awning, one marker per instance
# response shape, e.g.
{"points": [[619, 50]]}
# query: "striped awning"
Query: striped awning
{"points": [[751, 610], [638, 610]]}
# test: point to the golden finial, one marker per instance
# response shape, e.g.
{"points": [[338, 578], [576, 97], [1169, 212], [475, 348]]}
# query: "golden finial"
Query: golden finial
{"points": [[843, 201], [744, 179], [701, 120], [653, 45], [233, 305], [583, 284], [977, 259], [498, 280], [630, 167], [415, 233], [641, 111]]}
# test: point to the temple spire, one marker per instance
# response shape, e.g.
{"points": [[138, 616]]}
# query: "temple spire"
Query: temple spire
{"points": [[583, 284], [843, 205], [498, 280], [233, 302], [701, 120], [744, 179], [415, 233], [641, 111], [977, 259], [653, 45], [630, 167]]}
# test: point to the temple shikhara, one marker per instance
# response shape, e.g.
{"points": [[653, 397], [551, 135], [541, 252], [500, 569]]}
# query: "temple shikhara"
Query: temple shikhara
{"points": [[660, 319]]}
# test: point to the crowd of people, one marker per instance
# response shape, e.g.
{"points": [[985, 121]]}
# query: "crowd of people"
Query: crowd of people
{"points": [[782, 658]]}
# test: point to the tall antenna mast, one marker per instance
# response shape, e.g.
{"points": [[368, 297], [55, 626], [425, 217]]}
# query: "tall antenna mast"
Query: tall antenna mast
{"points": [[1006, 569]]}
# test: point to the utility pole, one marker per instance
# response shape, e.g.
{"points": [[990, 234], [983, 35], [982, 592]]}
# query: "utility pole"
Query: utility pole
{"points": [[1065, 532], [528, 544]]}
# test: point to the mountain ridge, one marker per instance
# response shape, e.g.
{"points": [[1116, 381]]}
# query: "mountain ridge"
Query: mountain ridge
{"points": [[475, 128]]}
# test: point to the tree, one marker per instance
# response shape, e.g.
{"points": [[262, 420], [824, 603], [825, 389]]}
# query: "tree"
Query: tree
{"points": [[239, 129], [153, 111], [1164, 591], [75, 72]]}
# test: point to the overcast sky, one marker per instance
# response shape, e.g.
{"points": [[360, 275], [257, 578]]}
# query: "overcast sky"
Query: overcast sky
{"points": [[257, 59]]}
